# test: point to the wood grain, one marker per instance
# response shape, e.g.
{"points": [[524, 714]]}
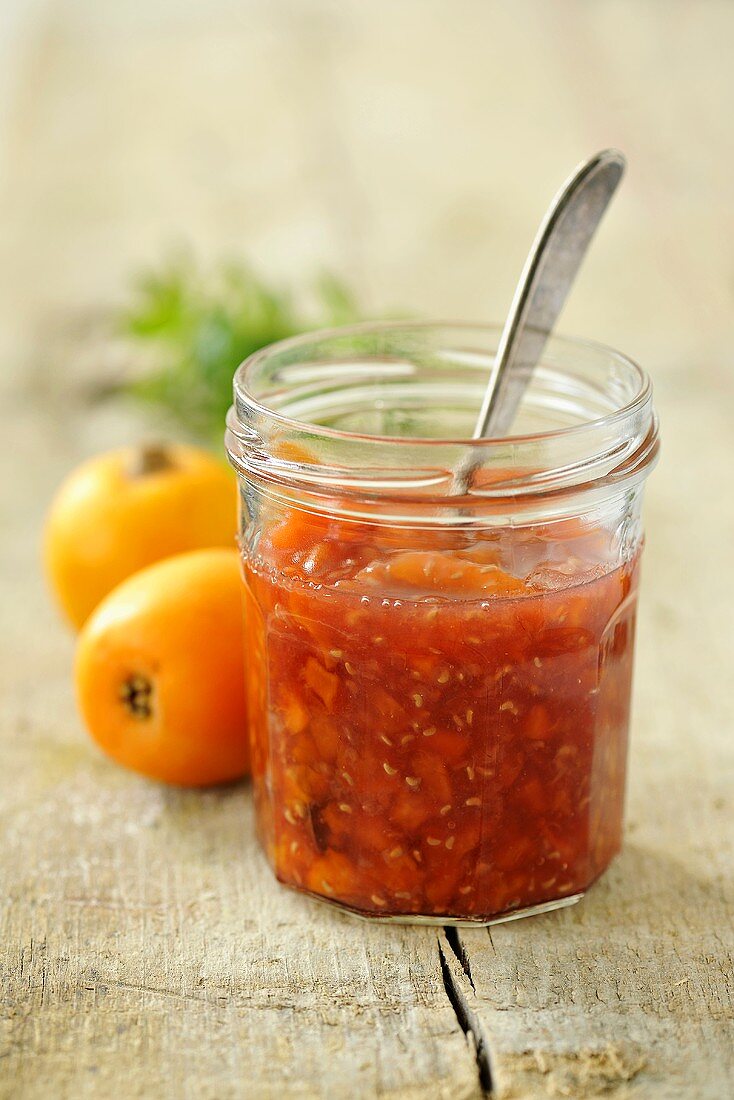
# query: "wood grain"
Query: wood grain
{"points": [[145, 950], [160, 959]]}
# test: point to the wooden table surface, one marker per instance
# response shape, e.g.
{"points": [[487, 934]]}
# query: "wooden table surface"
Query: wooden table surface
{"points": [[145, 950]]}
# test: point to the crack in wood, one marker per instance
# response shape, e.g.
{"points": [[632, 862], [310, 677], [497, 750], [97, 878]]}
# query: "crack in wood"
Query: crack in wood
{"points": [[454, 941], [466, 1017]]}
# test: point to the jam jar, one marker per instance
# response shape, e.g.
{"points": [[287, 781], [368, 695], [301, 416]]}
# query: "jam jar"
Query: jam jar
{"points": [[438, 685]]}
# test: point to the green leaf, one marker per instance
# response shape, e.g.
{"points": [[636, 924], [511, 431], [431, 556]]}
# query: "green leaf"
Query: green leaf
{"points": [[189, 329]]}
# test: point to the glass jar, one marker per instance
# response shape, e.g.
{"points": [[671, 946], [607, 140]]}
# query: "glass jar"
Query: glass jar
{"points": [[438, 686]]}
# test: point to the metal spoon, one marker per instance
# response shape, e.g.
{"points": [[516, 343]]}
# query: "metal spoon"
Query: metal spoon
{"points": [[551, 266]]}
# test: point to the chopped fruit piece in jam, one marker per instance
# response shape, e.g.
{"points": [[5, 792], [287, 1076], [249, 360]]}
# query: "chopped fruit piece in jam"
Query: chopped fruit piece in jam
{"points": [[439, 573], [439, 720]]}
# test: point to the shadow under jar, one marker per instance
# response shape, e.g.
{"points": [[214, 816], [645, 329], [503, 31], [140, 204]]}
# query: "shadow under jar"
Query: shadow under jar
{"points": [[438, 686]]}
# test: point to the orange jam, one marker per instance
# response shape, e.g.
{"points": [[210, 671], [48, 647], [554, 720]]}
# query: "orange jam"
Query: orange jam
{"points": [[439, 719]]}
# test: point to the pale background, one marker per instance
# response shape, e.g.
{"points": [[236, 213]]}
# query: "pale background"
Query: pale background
{"points": [[410, 145]]}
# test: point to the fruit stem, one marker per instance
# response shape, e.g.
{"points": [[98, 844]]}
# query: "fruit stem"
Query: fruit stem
{"points": [[150, 458]]}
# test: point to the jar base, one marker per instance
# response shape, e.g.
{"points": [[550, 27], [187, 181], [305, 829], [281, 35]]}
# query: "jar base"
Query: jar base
{"points": [[444, 921]]}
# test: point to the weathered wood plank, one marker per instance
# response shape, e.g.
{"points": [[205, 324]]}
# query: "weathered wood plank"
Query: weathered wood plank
{"points": [[585, 1003], [631, 992], [145, 949]]}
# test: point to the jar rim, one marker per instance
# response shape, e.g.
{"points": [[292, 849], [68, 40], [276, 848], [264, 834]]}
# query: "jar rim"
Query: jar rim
{"points": [[246, 368], [606, 454]]}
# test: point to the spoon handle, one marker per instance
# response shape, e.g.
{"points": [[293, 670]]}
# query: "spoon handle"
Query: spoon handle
{"points": [[549, 271]]}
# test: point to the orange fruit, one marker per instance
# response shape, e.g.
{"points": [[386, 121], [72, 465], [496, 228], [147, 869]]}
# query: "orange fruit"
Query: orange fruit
{"points": [[127, 508], [160, 671]]}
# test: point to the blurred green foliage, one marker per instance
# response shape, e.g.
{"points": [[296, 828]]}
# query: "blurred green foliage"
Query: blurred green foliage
{"points": [[190, 328]]}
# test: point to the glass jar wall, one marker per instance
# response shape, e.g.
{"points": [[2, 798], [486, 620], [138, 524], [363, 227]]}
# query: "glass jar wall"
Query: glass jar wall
{"points": [[438, 686]]}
